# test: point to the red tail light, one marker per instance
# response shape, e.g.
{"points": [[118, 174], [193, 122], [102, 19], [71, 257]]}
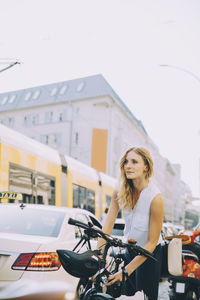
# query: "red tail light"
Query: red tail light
{"points": [[48, 261]]}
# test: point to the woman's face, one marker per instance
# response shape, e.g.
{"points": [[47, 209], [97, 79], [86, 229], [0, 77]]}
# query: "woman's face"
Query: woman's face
{"points": [[134, 166]]}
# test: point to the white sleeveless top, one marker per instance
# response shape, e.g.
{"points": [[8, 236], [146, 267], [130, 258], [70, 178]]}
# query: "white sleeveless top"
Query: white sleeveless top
{"points": [[137, 219]]}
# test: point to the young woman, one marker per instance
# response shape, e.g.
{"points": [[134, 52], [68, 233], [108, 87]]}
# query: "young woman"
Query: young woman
{"points": [[143, 207]]}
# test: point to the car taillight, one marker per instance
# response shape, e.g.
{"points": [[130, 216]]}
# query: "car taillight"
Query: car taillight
{"points": [[48, 261]]}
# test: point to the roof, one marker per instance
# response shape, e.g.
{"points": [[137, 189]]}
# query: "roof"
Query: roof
{"points": [[62, 92]]}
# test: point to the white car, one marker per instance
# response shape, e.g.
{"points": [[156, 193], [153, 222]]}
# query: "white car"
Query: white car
{"points": [[29, 237]]}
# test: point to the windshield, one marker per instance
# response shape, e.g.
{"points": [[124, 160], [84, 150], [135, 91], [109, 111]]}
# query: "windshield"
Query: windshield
{"points": [[118, 229], [30, 221]]}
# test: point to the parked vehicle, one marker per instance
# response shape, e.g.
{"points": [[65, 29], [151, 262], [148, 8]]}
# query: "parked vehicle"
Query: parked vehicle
{"points": [[195, 239], [187, 286], [118, 228], [29, 237], [168, 229]]}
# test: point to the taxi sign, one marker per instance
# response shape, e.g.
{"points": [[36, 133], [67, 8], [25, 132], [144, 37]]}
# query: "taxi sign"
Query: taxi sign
{"points": [[10, 195]]}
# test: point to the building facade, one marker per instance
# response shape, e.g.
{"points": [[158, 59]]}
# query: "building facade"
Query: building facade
{"points": [[87, 120]]}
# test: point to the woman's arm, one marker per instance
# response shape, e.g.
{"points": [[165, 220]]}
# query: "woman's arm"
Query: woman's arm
{"points": [[110, 218]]}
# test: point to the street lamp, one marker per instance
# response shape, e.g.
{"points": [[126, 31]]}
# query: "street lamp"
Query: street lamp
{"points": [[196, 78], [181, 69], [10, 66]]}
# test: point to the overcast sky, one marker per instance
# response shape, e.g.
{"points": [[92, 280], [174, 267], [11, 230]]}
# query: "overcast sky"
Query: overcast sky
{"points": [[125, 41]]}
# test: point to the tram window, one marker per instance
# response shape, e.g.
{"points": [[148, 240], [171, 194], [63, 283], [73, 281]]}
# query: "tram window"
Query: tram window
{"points": [[75, 196], [52, 197], [40, 200], [108, 200], [83, 198], [35, 187], [11, 200], [26, 198], [90, 200], [79, 194], [52, 183], [79, 231], [119, 214]]}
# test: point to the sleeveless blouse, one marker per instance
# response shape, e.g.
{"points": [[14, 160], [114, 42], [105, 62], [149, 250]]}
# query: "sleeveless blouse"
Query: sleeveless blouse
{"points": [[137, 219]]}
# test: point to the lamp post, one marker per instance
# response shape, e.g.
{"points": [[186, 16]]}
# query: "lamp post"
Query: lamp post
{"points": [[10, 66], [181, 69], [196, 78]]}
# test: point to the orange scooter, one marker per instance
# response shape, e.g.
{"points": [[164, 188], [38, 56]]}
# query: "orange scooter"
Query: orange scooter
{"points": [[187, 285]]}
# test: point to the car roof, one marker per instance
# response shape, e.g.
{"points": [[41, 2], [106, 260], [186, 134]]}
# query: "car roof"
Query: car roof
{"points": [[50, 207], [119, 221]]}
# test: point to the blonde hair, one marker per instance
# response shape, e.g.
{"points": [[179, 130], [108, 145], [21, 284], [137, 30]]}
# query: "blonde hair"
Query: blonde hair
{"points": [[125, 195]]}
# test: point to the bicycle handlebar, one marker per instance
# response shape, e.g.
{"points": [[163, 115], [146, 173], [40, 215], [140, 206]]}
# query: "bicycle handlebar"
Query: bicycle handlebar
{"points": [[115, 242]]}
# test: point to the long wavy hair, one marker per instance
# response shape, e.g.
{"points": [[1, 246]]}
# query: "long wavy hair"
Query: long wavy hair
{"points": [[125, 195]]}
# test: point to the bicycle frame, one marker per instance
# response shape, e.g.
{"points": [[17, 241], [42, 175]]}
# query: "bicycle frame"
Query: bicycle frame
{"points": [[95, 287]]}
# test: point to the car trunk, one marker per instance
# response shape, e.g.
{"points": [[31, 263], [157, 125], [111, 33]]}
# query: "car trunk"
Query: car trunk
{"points": [[11, 245]]}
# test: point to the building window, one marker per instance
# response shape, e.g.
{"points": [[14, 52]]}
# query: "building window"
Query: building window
{"points": [[76, 138], [57, 139], [45, 139], [63, 90], [35, 119], [12, 99], [48, 116], [4, 100], [54, 139], [54, 91], [27, 96], [62, 116], [80, 86], [10, 122], [27, 120], [36, 95]]}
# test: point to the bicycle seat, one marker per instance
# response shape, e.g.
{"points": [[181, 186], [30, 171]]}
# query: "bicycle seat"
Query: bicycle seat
{"points": [[80, 265]]}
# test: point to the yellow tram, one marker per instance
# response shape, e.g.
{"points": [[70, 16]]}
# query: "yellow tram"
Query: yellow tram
{"points": [[44, 176]]}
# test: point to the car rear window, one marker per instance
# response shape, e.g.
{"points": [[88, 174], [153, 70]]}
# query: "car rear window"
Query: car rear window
{"points": [[118, 229], [30, 221]]}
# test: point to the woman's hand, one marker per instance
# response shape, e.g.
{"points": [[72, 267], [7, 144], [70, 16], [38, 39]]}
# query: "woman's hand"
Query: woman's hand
{"points": [[95, 275], [117, 277]]}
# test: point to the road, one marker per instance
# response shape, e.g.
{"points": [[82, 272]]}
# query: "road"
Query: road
{"points": [[163, 293]]}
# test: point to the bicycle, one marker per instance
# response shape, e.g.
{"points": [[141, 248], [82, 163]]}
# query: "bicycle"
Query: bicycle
{"points": [[94, 262]]}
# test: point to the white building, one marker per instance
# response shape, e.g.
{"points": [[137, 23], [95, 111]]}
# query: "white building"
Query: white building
{"points": [[87, 120]]}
